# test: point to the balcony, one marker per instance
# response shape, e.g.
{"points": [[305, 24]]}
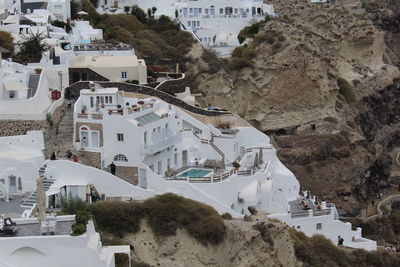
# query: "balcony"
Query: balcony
{"points": [[161, 141]]}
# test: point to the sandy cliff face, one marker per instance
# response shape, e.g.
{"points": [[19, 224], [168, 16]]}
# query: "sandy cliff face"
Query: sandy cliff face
{"points": [[340, 150], [242, 246]]}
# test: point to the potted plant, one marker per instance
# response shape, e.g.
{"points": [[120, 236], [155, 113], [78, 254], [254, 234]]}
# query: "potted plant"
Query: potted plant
{"points": [[38, 71], [84, 108], [236, 165]]}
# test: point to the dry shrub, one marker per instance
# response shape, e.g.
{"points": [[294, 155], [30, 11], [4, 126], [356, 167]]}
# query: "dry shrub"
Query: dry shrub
{"points": [[319, 251], [168, 212], [264, 230], [118, 217]]}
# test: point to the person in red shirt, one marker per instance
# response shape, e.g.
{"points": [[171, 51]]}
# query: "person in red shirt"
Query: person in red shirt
{"points": [[74, 158]]}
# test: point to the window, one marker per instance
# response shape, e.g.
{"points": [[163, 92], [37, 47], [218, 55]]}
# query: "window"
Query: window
{"points": [[91, 102], [159, 129], [120, 137], [198, 23], [176, 159], [145, 138], [190, 10], [12, 94], [151, 167], [166, 126], [110, 99], [319, 226], [120, 157], [168, 163], [189, 23], [159, 167], [221, 11], [236, 10], [206, 11], [106, 99], [124, 75], [199, 10]]}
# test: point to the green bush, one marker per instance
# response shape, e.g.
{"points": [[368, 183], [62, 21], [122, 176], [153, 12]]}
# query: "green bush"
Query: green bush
{"points": [[78, 229], [72, 205], [346, 89], [248, 32], [82, 217]]}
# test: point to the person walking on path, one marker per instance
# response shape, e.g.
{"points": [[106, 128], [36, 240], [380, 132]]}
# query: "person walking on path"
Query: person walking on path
{"points": [[69, 104], [113, 168], [74, 158]]}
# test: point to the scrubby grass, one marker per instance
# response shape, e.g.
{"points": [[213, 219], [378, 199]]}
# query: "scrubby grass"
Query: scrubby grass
{"points": [[165, 214], [242, 57], [319, 251], [346, 89], [157, 38], [264, 230], [168, 212]]}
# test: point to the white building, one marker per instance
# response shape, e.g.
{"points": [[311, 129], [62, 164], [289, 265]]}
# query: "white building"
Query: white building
{"points": [[26, 93], [33, 249], [170, 149], [111, 68]]}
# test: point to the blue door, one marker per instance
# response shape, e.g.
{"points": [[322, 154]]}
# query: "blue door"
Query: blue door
{"points": [[212, 11], [185, 12], [196, 12]]}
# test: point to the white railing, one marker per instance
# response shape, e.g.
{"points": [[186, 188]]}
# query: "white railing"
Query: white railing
{"points": [[161, 142]]}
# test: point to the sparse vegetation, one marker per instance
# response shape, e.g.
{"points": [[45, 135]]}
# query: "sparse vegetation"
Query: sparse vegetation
{"points": [[165, 214], [319, 251], [7, 41], [264, 230], [78, 229], [226, 216], [159, 38], [346, 89], [242, 57], [32, 48], [72, 205]]}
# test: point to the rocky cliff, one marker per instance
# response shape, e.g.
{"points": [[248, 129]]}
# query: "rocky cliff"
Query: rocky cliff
{"points": [[339, 140]]}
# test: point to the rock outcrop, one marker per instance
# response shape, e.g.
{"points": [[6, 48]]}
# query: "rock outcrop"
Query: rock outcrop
{"points": [[242, 246], [339, 147]]}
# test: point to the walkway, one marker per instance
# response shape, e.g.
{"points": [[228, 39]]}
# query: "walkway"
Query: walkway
{"points": [[381, 206], [64, 138]]}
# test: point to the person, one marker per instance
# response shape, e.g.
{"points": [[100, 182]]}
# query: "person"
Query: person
{"points": [[341, 240], [74, 158], [113, 168], [69, 104], [69, 154], [53, 156], [84, 142], [338, 240]]}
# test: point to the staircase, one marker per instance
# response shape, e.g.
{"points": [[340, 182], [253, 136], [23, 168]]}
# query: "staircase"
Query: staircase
{"points": [[32, 199], [64, 137], [33, 84]]}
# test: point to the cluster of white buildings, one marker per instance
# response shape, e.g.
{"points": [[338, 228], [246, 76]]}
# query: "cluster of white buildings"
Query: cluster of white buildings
{"points": [[159, 144]]}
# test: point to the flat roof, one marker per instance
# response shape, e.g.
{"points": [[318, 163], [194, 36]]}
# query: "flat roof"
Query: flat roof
{"points": [[110, 90], [148, 118]]}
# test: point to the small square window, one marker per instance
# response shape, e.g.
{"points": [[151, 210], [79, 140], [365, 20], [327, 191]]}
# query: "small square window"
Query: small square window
{"points": [[319, 226], [124, 75], [120, 137]]}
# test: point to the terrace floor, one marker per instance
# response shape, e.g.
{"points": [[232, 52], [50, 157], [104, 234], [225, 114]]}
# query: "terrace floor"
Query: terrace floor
{"points": [[13, 206], [33, 229]]}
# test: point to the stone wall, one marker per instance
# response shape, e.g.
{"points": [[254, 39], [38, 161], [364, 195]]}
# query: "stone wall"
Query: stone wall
{"points": [[76, 87], [20, 127], [94, 158], [92, 126]]}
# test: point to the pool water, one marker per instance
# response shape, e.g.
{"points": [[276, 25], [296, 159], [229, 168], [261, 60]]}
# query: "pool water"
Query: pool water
{"points": [[195, 173]]}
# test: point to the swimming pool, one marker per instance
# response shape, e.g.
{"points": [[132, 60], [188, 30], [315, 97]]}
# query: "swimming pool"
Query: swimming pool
{"points": [[195, 173]]}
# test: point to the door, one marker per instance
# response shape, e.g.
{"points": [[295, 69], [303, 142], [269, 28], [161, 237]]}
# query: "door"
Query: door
{"points": [[12, 185], [196, 12], [84, 138], [142, 178], [95, 139], [184, 158]]}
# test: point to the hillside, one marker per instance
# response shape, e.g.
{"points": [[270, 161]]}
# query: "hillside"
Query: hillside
{"points": [[318, 80]]}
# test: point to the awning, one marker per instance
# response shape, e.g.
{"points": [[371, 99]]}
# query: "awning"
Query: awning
{"points": [[14, 86]]}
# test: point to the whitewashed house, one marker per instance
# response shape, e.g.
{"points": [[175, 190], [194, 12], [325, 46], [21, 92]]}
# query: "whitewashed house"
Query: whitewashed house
{"points": [[171, 149]]}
